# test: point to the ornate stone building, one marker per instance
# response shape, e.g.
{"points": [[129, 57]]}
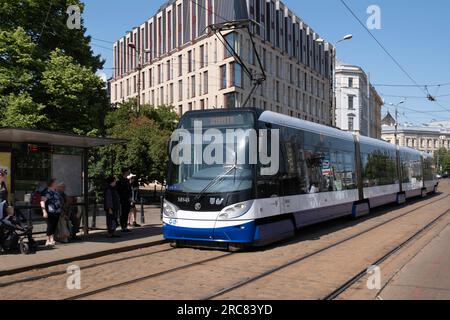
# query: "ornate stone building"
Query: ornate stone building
{"points": [[423, 138]]}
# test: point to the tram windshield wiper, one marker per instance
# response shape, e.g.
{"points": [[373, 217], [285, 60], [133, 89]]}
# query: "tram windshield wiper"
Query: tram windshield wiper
{"points": [[216, 180]]}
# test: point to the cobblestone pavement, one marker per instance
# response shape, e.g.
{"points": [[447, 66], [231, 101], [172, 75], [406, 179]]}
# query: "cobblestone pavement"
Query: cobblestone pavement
{"points": [[152, 215], [164, 273]]}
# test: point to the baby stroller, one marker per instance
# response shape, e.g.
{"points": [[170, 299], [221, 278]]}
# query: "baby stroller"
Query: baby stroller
{"points": [[14, 236]]}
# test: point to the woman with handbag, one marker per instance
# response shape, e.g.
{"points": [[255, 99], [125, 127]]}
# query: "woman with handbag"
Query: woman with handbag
{"points": [[51, 208]]}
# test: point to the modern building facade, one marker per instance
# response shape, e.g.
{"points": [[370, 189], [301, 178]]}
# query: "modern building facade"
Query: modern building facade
{"points": [[358, 105], [175, 60], [428, 138]]}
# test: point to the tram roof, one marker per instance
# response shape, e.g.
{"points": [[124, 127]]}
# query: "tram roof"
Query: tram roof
{"points": [[17, 135], [284, 120], [376, 143]]}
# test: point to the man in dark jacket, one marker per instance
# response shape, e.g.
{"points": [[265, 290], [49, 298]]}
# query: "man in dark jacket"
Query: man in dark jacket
{"points": [[125, 194], [111, 206]]}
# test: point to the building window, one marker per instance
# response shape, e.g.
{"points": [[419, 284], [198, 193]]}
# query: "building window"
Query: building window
{"points": [[169, 70], [277, 91], [202, 56], [150, 77], [350, 82], [169, 31], [193, 87], [236, 74], [180, 65], [171, 93], [190, 62], [205, 82], [180, 90], [231, 39], [159, 74], [223, 77], [230, 100], [291, 74], [351, 123], [180, 25], [351, 105]]}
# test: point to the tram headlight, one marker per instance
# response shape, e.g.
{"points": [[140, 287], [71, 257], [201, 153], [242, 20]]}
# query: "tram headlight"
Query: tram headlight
{"points": [[169, 210], [236, 210]]}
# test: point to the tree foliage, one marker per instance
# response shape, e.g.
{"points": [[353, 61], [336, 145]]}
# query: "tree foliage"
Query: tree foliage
{"points": [[148, 133], [47, 71], [442, 160]]}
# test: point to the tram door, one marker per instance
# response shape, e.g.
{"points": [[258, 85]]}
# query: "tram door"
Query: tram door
{"points": [[268, 186]]}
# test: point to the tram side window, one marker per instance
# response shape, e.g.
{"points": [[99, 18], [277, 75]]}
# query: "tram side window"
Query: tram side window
{"points": [[407, 169], [269, 186], [293, 174], [329, 168], [412, 169], [379, 166], [428, 169]]}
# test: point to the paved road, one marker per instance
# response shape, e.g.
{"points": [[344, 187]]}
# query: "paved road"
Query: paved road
{"points": [[310, 266]]}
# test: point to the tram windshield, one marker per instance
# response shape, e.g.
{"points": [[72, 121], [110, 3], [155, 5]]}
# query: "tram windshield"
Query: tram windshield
{"points": [[218, 159]]}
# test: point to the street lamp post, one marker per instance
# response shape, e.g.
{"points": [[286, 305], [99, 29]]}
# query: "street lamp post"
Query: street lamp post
{"points": [[399, 172], [322, 41], [139, 68], [396, 120]]}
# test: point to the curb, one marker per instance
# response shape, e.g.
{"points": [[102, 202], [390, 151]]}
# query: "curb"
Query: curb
{"points": [[82, 257]]}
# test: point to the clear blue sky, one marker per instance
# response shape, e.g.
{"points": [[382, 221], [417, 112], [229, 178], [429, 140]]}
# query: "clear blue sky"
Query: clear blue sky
{"points": [[414, 32]]}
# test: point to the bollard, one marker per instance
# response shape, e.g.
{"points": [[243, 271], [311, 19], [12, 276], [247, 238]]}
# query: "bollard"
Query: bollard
{"points": [[142, 212]]}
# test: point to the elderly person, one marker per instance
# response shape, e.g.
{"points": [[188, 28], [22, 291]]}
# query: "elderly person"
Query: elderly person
{"points": [[51, 205]]}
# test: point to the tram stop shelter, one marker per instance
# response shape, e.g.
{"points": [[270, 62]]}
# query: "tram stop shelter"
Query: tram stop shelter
{"points": [[31, 157]]}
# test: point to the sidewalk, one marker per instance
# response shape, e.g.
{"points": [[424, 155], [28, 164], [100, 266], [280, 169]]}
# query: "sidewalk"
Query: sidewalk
{"points": [[426, 276], [94, 245]]}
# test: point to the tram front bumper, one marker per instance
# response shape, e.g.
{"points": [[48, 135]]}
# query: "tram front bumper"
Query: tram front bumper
{"points": [[242, 233]]}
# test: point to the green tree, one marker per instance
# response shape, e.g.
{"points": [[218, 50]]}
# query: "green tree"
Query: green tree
{"points": [[442, 160], [47, 71], [75, 95], [148, 134]]}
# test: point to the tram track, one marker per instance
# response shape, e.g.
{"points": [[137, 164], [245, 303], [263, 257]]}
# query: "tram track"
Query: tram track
{"points": [[146, 277], [90, 266], [344, 287], [221, 292], [251, 279], [303, 258]]}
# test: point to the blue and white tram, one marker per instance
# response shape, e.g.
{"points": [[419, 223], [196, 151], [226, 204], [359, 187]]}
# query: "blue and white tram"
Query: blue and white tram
{"points": [[324, 173]]}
